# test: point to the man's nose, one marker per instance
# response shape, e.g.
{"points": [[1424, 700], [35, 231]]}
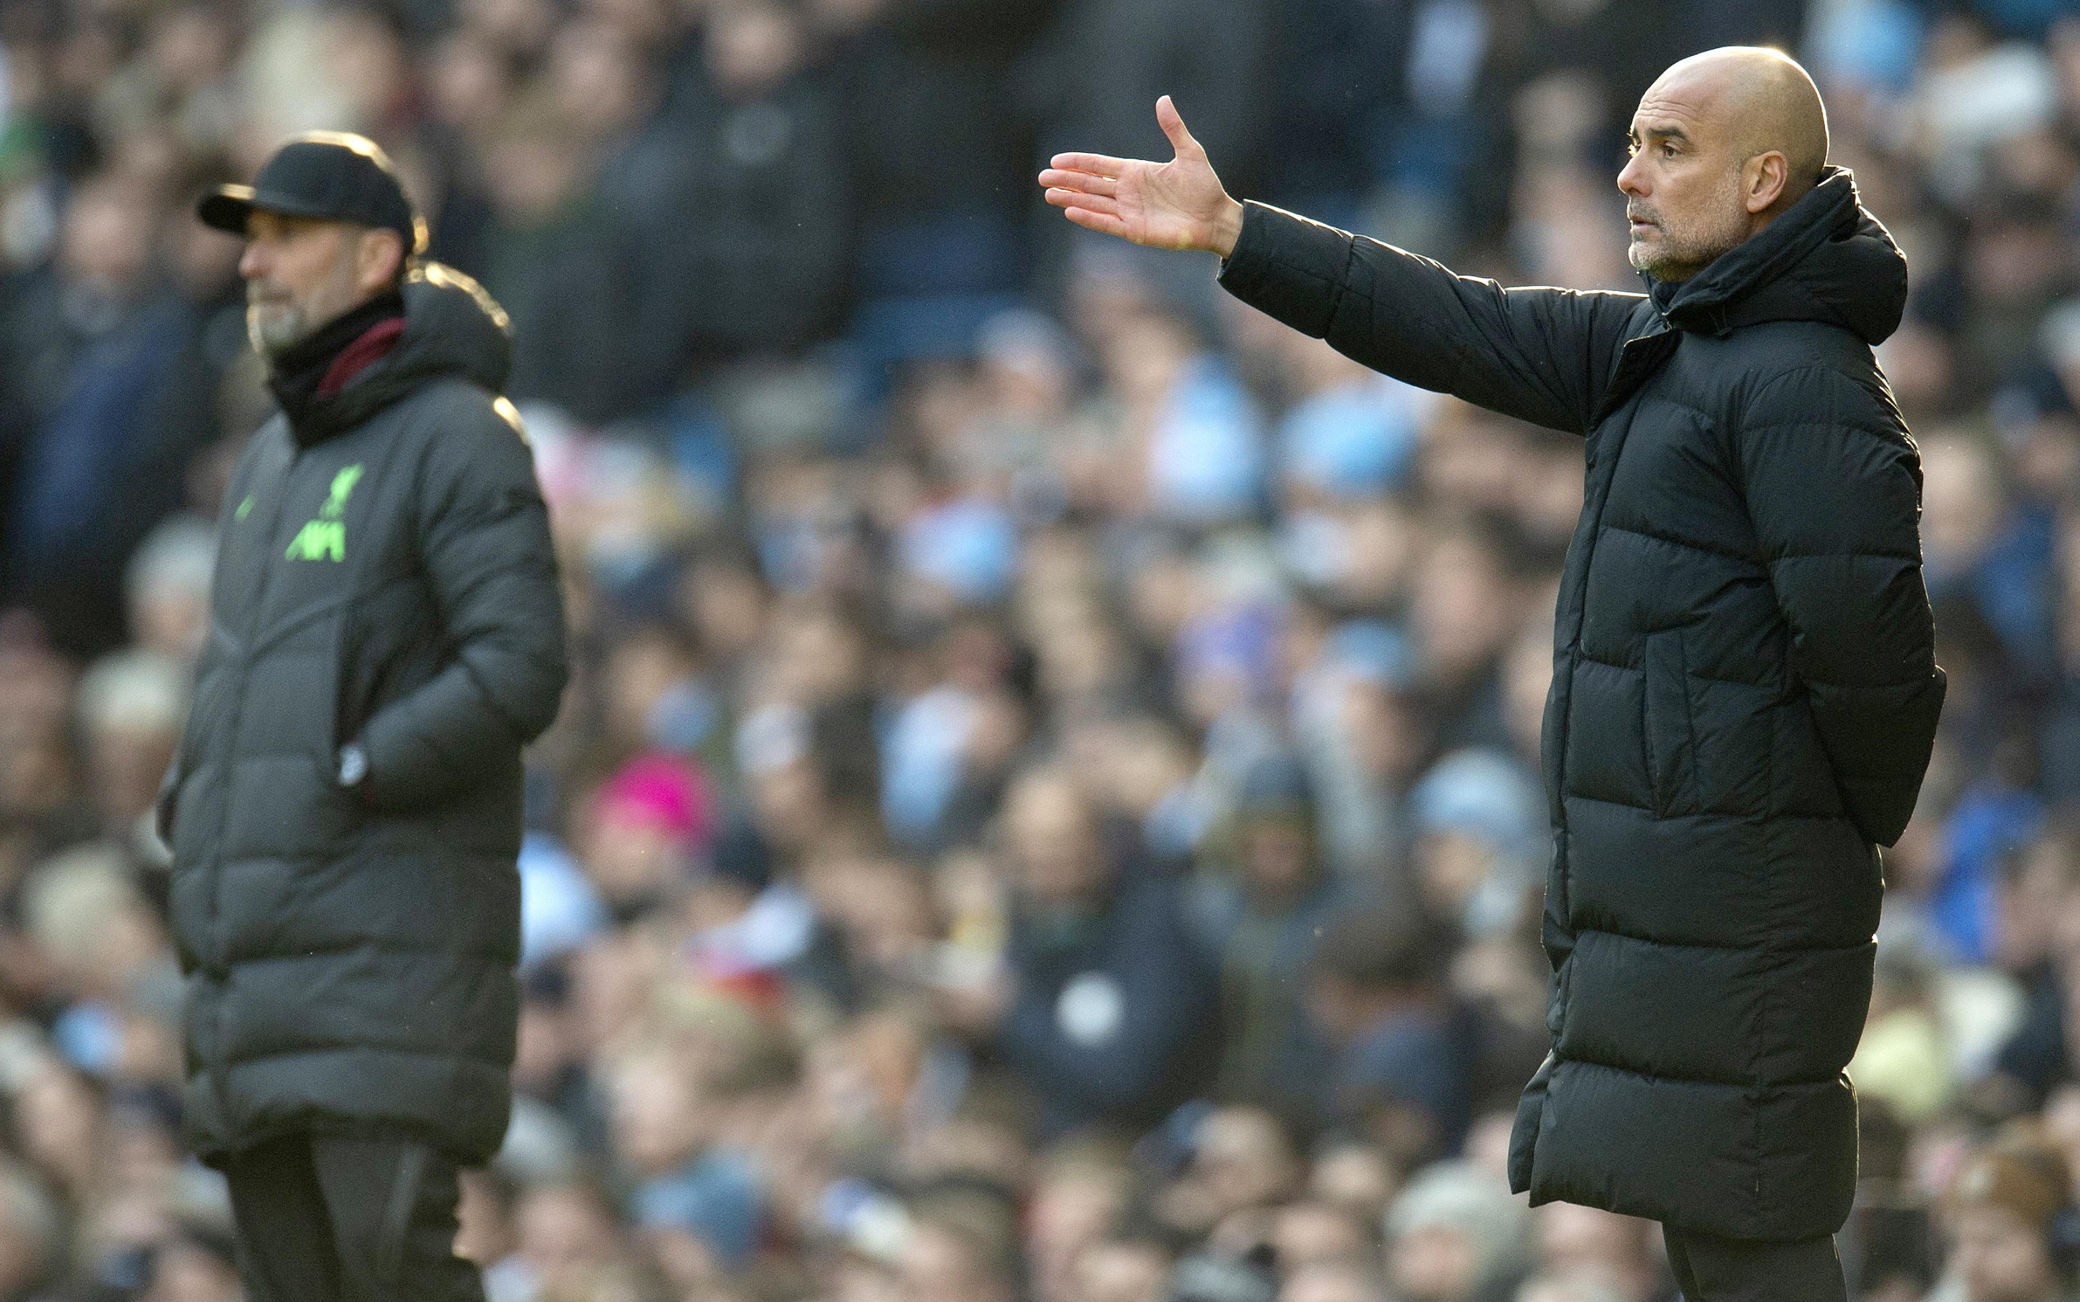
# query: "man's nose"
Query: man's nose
{"points": [[252, 264], [1631, 177]]}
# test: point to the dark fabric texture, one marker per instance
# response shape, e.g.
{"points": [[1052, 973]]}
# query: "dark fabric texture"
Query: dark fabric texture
{"points": [[1744, 692], [385, 578], [1712, 1269], [327, 1218]]}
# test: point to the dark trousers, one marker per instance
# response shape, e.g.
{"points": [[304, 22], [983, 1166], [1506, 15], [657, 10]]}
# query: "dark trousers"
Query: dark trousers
{"points": [[325, 1218], [1712, 1269]]}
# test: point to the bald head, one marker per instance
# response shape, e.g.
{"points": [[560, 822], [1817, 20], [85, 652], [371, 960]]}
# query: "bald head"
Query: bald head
{"points": [[1723, 143], [1766, 100]]}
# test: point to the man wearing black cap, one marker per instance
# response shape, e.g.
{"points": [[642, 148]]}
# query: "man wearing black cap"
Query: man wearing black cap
{"points": [[386, 635]]}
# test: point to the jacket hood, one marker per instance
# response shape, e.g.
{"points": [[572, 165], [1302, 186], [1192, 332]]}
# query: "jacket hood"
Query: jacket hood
{"points": [[1826, 259], [453, 329]]}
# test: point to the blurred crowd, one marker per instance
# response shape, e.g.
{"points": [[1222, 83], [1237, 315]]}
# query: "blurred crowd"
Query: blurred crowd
{"points": [[1048, 808]]}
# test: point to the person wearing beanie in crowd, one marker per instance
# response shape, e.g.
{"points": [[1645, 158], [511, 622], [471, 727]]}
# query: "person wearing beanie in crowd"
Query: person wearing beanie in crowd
{"points": [[1745, 693], [645, 827], [1455, 1235], [2014, 1232], [345, 808]]}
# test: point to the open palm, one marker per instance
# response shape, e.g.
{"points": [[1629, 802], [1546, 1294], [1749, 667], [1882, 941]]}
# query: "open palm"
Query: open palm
{"points": [[1175, 205]]}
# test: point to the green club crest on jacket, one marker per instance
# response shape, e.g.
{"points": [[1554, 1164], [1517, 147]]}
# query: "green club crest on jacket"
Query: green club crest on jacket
{"points": [[325, 538]]}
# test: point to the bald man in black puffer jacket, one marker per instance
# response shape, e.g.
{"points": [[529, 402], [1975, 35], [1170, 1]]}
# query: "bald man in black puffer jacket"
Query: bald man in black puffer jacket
{"points": [[1745, 692]]}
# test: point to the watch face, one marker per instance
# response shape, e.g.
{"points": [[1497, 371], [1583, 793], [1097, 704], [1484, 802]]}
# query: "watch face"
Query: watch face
{"points": [[353, 766]]}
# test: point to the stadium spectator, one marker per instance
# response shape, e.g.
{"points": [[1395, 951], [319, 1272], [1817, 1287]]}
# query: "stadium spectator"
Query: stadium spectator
{"points": [[1106, 1003]]}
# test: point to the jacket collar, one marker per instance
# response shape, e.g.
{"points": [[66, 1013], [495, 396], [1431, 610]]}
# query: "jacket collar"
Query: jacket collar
{"points": [[451, 329], [1826, 259]]}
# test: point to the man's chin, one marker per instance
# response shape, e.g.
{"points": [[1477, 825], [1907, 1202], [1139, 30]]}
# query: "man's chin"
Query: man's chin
{"points": [[1654, 262], [274, 331]]}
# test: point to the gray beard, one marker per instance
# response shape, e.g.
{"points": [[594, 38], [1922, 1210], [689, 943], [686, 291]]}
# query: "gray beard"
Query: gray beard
{"points": [[275, 330]]}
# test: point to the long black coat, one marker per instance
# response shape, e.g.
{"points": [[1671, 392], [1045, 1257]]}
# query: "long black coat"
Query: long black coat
{"points": [[384, 577], [1744, 691]]}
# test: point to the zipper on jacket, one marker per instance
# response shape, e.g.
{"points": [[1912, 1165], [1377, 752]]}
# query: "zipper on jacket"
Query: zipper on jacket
{"points": [[248, 639], [219, 967]]}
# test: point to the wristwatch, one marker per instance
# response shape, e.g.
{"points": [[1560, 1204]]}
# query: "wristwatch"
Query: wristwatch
{"points": [[353, 765]]}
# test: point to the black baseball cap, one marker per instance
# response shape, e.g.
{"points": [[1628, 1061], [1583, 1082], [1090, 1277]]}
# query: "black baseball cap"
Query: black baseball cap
{"points": [[328, 174]]}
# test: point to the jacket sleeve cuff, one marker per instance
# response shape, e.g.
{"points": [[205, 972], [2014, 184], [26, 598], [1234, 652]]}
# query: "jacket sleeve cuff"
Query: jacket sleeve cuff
{"points": [[1288, 267]]}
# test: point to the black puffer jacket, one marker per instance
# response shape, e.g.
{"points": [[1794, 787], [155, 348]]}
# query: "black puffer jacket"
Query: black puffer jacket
{"points": [[1744, 691], [386, 578]]}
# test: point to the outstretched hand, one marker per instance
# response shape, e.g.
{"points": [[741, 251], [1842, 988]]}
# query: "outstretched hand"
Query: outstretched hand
{"points": [[1175, 205]]}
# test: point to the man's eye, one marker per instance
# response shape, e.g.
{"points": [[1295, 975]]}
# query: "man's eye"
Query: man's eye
{"points": [[1668, 151]]}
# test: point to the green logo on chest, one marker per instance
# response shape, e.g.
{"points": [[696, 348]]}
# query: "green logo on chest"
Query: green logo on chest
{"points": [[320, 540], [342, 484], [325, 538]]}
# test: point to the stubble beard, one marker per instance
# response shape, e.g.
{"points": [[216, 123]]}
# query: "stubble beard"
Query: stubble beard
{"points": [[278, 319], [1677, 255], [1684, 251], [275, 323], [1681, 252]]}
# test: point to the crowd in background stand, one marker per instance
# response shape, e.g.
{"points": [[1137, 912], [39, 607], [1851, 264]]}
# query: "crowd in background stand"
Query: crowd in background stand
{"points": [[1048, 809]]}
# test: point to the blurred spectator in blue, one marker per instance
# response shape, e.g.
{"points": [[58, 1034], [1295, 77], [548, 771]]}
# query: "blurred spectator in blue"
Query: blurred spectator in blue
{"points": [[1359, 721], [965, 545], [1865, 45], [1481, 840], [102, 402], [2060, 746], [1350, 434], [2038, 1055], [1997, 815], [685, 1183], [1191, 430], [559, 907], [943, 750]]}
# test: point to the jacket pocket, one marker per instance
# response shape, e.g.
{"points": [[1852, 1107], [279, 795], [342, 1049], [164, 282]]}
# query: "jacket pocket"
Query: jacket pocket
{"points": [[1666, 725]]}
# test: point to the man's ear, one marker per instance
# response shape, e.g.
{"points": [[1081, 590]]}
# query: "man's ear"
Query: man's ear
{"points": [[1765, 175], [379, 261]]}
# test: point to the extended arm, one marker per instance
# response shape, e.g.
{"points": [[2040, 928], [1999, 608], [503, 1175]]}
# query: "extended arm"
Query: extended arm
{"points": [[1541, 355], [485, 543], [1834, 489]]}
